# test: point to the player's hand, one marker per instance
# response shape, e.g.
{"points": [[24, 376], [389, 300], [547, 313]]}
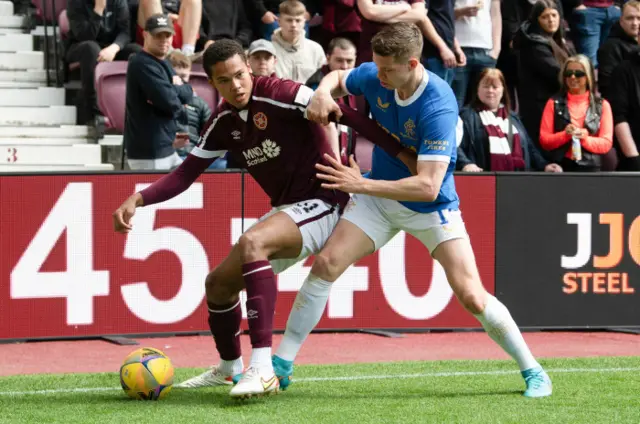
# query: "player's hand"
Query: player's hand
{"points": [[321, 106], [553, 167], [122, 216], [340, 177], [410, 159]]}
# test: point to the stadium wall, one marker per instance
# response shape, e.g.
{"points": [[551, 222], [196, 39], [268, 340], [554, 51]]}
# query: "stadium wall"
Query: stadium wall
{"points": [[66, 274]]}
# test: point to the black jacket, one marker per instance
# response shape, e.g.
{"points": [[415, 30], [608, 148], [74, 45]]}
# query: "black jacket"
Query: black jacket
{"points": [[154, 107], [618, 47], [474, 148], [625, 96], [198, 113], [538, 72], [225, 19], [86, 25]]}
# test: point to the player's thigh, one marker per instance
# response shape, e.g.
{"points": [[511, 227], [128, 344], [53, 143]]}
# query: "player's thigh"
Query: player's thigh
{"points": [[362, 230], [445, 236], [315, 228], [457, 258], [225, 282], [275, 235]]}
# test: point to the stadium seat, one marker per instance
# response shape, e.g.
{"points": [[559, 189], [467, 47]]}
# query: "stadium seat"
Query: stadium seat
{"points": [[111, 85], [60, 5], [200, 83]]}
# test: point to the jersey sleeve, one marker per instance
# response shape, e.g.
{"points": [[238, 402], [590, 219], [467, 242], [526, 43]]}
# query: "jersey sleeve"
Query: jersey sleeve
{"points": [[357, 80], [291, 97], [437, 131], [210, 145]]}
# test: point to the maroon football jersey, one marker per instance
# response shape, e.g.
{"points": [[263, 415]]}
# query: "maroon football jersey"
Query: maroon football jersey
{"points": [[273, 141]]}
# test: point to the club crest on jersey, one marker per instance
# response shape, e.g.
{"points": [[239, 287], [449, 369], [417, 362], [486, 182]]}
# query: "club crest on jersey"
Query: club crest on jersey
{"points": [[409, 129], [260, 119]]}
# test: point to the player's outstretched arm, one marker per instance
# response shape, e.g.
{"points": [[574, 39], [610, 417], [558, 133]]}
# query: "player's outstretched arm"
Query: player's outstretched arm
{"points": [[322, 103], [423, 187], [164, 189]]}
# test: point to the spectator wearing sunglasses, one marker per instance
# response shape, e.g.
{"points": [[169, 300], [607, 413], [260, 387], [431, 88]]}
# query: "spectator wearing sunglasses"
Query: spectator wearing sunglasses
{"points": [[577, 125]]}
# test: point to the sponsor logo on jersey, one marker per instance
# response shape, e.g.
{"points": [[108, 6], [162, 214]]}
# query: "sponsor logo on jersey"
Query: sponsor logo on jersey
{"points": [[260, 154], [383, 106]]}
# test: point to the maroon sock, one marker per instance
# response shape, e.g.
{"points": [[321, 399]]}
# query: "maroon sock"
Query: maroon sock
{"points": [[260, 283], [224, 322]]}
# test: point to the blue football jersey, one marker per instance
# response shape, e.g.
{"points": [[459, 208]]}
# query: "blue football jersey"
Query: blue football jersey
{"points": [[425, 123]]}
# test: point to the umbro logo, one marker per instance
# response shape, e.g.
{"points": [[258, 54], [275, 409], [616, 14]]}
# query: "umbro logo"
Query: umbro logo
{"points": [[236, 135], [252, 313]]}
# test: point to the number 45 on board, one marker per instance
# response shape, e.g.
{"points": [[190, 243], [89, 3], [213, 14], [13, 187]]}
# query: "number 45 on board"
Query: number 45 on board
{"points": [[80, 283]]}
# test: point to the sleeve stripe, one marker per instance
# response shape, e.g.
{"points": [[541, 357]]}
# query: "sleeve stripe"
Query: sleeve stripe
{"points": [[279, 104], [343, 81], [435, 158], [205, 136], [207, 154]]}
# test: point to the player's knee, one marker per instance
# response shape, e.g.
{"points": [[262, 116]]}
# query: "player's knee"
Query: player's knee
{"points": [[473, 301], [217, 291], [328, 266], [251, 245]]}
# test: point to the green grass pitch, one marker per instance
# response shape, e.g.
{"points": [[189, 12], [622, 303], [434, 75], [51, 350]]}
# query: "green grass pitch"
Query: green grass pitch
{"points": [[587, 390]]}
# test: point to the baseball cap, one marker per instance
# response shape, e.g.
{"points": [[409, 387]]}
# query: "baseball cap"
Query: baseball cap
{"points": [[159, 23], [262, 46]]}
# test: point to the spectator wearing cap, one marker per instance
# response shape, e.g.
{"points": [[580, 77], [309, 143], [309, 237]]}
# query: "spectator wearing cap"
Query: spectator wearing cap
{"points": [[198, 111], [298, 57], [262, 58], [622, 42], [341, 55], [99, 32], [155, 101]]}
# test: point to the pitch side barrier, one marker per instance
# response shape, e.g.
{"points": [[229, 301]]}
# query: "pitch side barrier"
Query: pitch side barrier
{"points": [[561, 251]]}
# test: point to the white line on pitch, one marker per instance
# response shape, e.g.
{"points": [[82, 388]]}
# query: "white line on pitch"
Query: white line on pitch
{"points": [[348, 378]]}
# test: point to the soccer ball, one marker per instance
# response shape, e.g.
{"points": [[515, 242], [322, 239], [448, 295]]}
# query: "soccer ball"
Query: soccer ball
{"points": [[146, 374]]}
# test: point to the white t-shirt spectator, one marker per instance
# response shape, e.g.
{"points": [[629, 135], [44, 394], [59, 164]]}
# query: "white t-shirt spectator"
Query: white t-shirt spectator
{"points": [[475, 31]]}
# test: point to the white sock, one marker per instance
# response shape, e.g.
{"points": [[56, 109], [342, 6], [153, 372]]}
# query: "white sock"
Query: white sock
{"points": [[261, 358], [233, 367], [501, 327], [188, 49], [305, 315]]}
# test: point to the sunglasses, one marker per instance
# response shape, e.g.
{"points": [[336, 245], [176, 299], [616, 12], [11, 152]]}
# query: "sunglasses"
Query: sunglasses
{"points": [[577, 74]]}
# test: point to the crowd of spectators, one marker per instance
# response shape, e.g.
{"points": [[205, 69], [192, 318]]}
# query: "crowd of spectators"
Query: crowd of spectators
{"points": [[542, 85]]}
